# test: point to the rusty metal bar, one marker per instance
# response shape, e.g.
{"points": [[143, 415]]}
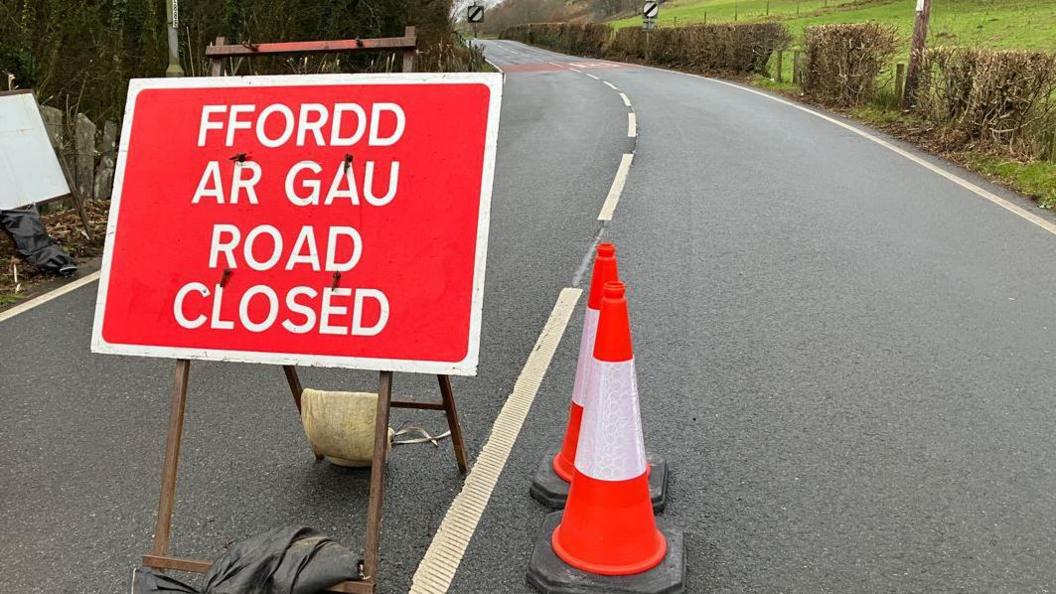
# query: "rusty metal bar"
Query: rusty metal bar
{"points": [[176, 563], [198, 566], [310, 47], [452, 422], [295, 384], [377, 477], [365, 587], [417, 405], [167, 496]]}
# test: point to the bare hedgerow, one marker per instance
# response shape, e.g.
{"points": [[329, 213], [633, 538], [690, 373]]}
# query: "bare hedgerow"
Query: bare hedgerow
{"points": [[843, 61], [582, 39], [735, 47], [1000, 97]]}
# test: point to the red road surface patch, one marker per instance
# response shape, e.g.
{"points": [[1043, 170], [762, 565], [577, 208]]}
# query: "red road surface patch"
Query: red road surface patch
{"points": [[548, 67], [543, 67], [596, 65]]}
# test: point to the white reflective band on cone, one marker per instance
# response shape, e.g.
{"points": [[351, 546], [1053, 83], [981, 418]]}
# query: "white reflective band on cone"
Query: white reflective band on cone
{"points": [[586, 357], [611, 447]]}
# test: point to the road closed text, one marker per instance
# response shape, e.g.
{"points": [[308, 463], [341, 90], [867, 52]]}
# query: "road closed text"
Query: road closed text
{"points": [[337, 249], [303, 309]]}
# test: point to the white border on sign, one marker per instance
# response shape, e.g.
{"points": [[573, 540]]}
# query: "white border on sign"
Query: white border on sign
{"points": [[467, 366]]}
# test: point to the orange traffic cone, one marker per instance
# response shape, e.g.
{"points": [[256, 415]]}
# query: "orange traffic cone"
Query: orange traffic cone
{"points": [[609, 527], [550, 484], [605, 270], [551, 481], [607, 538]]}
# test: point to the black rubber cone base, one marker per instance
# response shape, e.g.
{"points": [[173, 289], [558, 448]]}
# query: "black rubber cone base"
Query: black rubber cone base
{"points": [[548, 488], [550, 575]]}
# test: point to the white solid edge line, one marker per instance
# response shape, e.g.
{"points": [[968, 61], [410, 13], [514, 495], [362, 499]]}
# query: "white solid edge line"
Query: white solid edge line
{"points": [[626, 100], [611, 86], [444, 555], [632, 125], [613, 198], [494, 65], [953, 177], [46, 297]]}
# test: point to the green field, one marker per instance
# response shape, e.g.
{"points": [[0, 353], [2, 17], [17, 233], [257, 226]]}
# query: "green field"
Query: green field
{"points": [[1007, 24]]}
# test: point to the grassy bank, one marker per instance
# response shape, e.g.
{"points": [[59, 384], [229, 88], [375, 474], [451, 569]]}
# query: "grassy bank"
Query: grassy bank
{"points": [[1000, 24]]}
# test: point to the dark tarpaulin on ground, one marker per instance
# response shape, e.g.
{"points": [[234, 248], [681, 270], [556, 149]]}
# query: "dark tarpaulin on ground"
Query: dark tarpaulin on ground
{"points": [[290, 560], [33, 243]]}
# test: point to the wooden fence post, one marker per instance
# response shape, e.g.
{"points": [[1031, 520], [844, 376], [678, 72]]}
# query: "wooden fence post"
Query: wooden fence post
{"points": [[84, 159], [900, 81], [916, 53], [104, 173], [408, 54], [778, 65], [53, 122], [797, 74], [216, 65]]}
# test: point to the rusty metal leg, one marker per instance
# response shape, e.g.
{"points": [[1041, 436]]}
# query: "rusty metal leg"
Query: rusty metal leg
{"points": [[295, 384], [452, 422], [167, 498], [377, 478], [295, 388]]}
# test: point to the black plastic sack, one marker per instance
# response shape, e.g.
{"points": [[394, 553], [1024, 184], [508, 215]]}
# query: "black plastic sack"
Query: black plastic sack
{"points": [[33, 243], [288, 560]]}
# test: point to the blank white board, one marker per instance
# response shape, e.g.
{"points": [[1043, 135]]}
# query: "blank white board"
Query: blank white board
{"points": [[29, 169]]}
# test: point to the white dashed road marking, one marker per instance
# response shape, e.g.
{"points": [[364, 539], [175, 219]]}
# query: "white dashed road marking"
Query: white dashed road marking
{"points": [[616, 190]]}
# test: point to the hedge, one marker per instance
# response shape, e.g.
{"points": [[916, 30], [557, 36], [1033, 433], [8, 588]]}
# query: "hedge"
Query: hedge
{"points": [[582, 39], [737, 47], [1005, 97], [843, 61]]}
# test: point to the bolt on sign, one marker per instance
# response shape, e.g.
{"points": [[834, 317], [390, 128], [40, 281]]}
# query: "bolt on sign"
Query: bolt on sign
{"points": [[327, 220]]}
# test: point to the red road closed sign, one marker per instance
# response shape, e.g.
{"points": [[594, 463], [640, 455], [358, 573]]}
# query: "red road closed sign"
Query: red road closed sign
{"points": [[326, 220]]}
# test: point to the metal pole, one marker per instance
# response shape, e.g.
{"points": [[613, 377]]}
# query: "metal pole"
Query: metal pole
{"points": [[916, 53], [172, 17]]}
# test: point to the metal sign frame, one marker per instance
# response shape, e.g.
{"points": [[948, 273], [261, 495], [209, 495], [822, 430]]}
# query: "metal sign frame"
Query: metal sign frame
{"points": [[159, 557]]}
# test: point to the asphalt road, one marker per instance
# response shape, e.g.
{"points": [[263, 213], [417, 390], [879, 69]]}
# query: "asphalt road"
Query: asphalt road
{"points": [[844, 356]]}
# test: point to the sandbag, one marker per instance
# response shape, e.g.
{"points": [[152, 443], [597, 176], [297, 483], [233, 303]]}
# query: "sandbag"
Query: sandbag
{"points": [[289, 560], [33, 243], [340, 425]]}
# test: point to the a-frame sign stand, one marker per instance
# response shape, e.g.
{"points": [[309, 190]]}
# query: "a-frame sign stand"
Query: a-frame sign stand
{"points": [[159, 557]]}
